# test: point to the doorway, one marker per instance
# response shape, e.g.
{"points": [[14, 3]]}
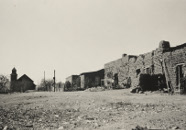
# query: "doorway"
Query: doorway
{"points": [[179, 75]]}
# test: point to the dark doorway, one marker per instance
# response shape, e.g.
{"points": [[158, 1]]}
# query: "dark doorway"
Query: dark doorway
{"points": [[115, 79], [179, 75], [138, 71]]}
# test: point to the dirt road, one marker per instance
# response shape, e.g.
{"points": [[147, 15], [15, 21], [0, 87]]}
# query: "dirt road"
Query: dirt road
{"points": [[114, 109]]}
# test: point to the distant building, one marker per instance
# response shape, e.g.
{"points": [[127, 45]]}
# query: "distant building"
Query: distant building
{"points": [[22, 84], [72, 79], [86, 80], [91, 79]]}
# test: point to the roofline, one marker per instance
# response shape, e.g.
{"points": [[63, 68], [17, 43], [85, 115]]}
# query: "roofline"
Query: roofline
{"points": [[92, 72], [176, 47], [26, 76]]}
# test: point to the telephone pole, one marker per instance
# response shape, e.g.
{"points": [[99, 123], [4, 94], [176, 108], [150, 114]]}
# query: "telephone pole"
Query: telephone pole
{"points": [[54, 82], [44, 82]]}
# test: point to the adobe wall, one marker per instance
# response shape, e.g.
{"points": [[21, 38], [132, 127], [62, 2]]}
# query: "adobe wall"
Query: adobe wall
{"points": [[72, 79], [121, 68], [151, 63], [174, 57], [82, 82], [128, 68], [91, 79], [111, 69], [132, 69]]}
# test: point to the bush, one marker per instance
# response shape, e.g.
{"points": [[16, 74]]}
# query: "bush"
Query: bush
{"points": [[68, 86], [4, 84], [45, 85]]}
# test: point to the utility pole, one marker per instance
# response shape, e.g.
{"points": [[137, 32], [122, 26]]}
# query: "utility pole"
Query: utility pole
{"points": [[54, 82], [44, 82]]}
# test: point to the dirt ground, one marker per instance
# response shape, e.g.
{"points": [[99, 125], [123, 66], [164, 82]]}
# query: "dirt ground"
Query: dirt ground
{"points": [[105, 110]]}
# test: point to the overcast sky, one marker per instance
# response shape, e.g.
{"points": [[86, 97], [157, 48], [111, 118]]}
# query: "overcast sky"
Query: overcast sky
{"points": [[75, 36]]}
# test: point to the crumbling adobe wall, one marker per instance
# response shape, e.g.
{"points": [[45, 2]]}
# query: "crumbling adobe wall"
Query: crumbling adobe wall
{"points": [[127, 70], [124, 70], [174, 57], [136, 69], [157, 61], [132, 66], [111, 69], [119, 67], [149, 63], [132, 70]]}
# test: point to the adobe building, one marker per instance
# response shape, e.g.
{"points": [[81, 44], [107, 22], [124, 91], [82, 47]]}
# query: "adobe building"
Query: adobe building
{"points": [[22, 84], [91, 79], [72, 79], [165, 60], [86, 80]]}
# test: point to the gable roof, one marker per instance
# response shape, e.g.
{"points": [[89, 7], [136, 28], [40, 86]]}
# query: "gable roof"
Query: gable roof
{"points": [[25, 77]]}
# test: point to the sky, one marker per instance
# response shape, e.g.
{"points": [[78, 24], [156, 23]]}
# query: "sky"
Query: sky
{"points": [[75, 36]]}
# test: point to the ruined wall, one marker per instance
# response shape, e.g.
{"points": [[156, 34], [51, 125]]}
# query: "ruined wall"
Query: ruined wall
{"points": [[121, 68], [157, 61], [132, 66], [149, 63], [132, 70], [124, 70], [111, 69], [128, 67], [175, 57]]}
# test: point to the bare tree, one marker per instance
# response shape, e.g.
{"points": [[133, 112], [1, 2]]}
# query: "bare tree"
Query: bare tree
{"points": [[4, 84], [45, 85], [59, 86]]}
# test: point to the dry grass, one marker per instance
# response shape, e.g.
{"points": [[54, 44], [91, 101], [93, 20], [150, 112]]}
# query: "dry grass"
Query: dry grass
{"points": [[115, 109]]}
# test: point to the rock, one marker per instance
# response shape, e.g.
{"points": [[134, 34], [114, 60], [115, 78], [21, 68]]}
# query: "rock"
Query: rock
{"points": [[29, 125], [96, 125], [5, 128], [140, 128], [137, 106], [57, 116], [66, 123], [61, 128], [90, 118], [175, 128], [103, 108]]}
